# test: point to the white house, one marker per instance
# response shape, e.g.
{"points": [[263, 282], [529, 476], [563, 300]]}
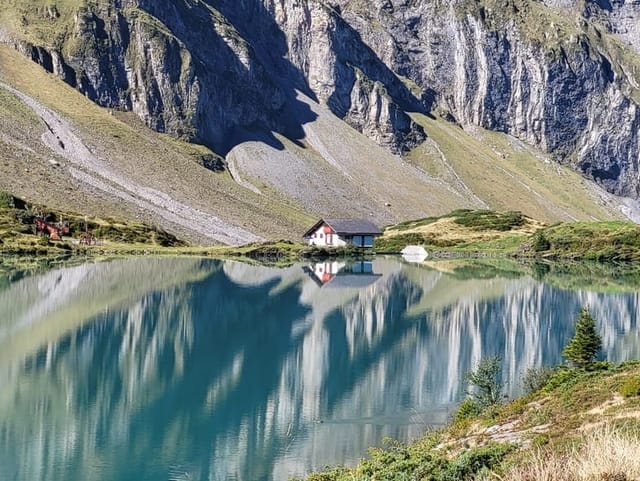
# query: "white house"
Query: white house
{"points": [[342, 232]]}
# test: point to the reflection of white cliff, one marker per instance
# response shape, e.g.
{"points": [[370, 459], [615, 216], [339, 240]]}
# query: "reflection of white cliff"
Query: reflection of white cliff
{"points": [[527, 326], [37, 310], [46, 313], [64, 424], [523, 321]]}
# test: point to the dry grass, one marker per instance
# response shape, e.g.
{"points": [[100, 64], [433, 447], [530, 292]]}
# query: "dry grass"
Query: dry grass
{"points": [[541, 467], [447, 229], [607, 454]]}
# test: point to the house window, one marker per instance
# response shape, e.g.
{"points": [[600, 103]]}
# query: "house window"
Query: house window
{"points": [[321, 236]]}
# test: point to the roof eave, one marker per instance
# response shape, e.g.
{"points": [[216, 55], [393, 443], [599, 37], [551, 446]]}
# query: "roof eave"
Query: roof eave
{"points": [[314, 228]]}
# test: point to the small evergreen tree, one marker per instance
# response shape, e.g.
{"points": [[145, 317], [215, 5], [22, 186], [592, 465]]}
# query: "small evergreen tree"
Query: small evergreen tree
{"points": [[586, 343], [484, 382]]}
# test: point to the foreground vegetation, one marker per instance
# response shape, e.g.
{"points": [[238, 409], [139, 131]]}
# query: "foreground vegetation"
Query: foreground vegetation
{"points": [[18, 232], [580, 424], [573, 424]]}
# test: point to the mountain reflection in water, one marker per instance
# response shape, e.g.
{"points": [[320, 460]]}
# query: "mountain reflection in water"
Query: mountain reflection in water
{"points": [[153, 369]]}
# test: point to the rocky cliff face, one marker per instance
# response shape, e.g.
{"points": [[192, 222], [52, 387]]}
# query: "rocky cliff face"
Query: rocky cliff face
{"points": [[520, 68], [563, 75]]}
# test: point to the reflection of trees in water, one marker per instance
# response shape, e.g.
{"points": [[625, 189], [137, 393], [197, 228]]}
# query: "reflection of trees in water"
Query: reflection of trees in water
{"points": [[228, 380]]}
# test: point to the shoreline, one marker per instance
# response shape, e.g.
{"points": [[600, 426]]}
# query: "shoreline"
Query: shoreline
{"points": [[556, 421]]}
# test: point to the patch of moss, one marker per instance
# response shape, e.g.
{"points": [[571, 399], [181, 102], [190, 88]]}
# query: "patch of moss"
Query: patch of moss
{"points": [[488, 220], [631, 387]]}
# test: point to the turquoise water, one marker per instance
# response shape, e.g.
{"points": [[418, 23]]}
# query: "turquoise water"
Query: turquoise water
{"points": [[187, 369]]}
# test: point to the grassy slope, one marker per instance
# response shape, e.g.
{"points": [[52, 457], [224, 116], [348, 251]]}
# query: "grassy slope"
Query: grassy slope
{"points": [[126, 145], [552, 424], [593, 241], [461, 230], [511, 233], [508, 175], [18, 235], [32, 18]]}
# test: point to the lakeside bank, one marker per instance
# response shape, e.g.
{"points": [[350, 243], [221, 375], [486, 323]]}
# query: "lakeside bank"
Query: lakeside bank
{"points": [[575, 425]]}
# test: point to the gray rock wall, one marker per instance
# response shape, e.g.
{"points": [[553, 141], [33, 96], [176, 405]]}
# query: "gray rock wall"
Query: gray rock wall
{"points": [[563, 75], [565, 87]]}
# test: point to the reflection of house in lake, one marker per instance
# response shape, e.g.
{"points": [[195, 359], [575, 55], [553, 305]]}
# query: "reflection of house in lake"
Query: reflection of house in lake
{"points": [[341, 275]]}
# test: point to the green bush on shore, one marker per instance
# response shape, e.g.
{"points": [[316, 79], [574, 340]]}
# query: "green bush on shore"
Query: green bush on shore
{"points": [[398, 461], [600, 241], [488, 219], [631, 387]]}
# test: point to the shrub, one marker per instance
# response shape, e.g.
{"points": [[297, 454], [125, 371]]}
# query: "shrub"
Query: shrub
{"points": [[586, 343], [476, 461], [540, 440], [600, 366], [540, 242], [631, 387], [468, 409], [535, 378], [7, 201], [561, 378], [483, 383]]}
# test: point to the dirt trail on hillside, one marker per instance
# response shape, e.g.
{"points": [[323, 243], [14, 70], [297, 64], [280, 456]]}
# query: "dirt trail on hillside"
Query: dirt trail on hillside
{"points": [[91, 171]]}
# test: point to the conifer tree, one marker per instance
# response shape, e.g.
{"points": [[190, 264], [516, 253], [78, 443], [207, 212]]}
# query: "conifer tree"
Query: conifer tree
{"points": [[586, 343], [484, 382]]}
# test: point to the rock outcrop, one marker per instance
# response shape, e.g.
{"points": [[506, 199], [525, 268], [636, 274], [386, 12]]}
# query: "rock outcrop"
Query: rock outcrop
{"points": [[563, 75], [569, 87]]}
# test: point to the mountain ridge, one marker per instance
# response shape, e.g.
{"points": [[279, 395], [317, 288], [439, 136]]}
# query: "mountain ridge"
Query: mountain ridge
{"points": [[274, 89]]}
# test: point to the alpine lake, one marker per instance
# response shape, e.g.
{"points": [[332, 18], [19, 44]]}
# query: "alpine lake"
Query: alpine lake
{"points": [[167, 369]]}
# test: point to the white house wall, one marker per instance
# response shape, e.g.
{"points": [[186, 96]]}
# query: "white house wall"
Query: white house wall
{"points": [[319, 238]]}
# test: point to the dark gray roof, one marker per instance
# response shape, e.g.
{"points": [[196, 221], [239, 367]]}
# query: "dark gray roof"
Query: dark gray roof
{"points": [[353, 281], [347, 227], [344, 281], [353, 226]]}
